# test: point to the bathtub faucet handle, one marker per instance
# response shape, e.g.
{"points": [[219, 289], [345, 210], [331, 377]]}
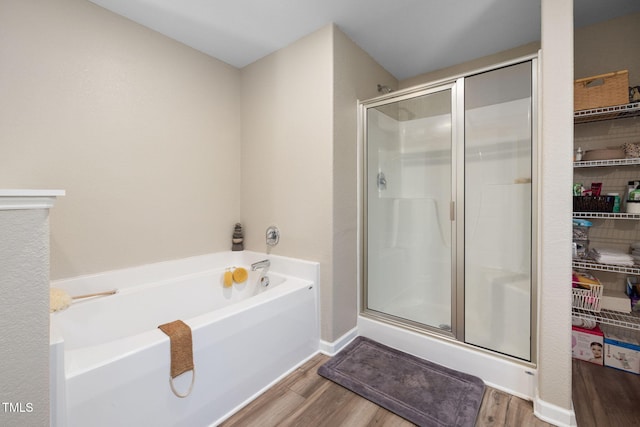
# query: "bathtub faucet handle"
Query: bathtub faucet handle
{"points": [[265, 263]]}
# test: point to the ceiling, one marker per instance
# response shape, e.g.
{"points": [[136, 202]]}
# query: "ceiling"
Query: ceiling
{"points": [[406, 37]]}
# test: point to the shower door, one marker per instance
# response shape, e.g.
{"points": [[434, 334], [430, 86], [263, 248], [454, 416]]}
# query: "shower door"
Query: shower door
{"points": [[448, 219], [410, 239], [498, 209]]}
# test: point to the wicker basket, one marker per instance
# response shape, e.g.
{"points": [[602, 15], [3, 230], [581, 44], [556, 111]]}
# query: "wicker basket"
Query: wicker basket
{"points": [[603, 90], [593, 203]]}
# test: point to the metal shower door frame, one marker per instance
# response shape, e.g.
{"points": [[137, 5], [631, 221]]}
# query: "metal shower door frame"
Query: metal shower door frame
{"points": [[457, 133]]}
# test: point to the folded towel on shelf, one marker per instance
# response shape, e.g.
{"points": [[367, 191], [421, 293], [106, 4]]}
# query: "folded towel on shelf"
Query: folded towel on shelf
{"points": [[181, 346], [612, 256]]}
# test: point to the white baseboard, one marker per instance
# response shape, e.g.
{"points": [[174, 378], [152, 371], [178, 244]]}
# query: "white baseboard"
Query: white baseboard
{"points": [[332, 348], [553, 414]]}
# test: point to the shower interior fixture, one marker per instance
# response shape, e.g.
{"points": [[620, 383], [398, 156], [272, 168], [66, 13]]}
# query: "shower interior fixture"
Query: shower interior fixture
{"points": [[382, 181], [384, 89]]}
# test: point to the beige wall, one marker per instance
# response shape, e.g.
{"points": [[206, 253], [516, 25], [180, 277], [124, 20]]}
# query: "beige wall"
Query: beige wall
{"points": [[299, 160], [475, 64], [286, 153], [286, 148], [609, 46], [142, 132], [355, 77]]}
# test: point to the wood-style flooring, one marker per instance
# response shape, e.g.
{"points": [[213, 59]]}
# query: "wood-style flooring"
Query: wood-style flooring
{"points": [[605, 397], [306, 399]]}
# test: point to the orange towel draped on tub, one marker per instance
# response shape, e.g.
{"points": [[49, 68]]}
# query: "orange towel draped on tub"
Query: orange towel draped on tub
{"points": [[181, 349]]}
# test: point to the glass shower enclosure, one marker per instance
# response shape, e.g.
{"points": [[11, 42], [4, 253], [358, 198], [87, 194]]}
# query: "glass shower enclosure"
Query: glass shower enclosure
{"points": [[448, 208]]}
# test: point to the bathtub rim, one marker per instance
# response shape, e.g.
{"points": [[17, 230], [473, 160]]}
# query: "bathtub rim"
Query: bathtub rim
{"points": [[134, 276]]}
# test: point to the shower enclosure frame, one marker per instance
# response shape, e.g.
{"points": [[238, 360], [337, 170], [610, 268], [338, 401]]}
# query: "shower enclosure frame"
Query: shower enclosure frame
{"points": [[396, 97], [456, 85]]}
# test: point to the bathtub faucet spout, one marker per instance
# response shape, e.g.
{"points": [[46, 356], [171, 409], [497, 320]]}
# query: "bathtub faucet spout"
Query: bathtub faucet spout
{"points": [[264, 266], [265, 263]]}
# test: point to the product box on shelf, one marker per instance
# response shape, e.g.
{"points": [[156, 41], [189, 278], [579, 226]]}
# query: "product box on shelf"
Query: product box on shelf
{"points": [[586, 344], [622, 349], [633, 292]]}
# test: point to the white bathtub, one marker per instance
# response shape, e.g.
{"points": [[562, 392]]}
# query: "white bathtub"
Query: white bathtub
{"points": [[110, 363]]}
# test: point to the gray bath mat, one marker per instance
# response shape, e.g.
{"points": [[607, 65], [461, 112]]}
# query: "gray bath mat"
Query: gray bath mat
{"points": [[422, 392]]}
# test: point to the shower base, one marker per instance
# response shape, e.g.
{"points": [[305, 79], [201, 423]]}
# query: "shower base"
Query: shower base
{"points": [[420, 311]]}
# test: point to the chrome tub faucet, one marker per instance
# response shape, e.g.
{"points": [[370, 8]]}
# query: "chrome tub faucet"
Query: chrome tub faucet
{"points": [[264, 266], [265, 263]]}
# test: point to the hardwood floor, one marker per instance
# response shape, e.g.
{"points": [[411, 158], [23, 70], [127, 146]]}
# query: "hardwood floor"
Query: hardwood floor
{"points": [[604, 396], [306, 399]]}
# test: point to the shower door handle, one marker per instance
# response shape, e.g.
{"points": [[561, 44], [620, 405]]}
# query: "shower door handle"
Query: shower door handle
{"points": [[452, 211]]}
